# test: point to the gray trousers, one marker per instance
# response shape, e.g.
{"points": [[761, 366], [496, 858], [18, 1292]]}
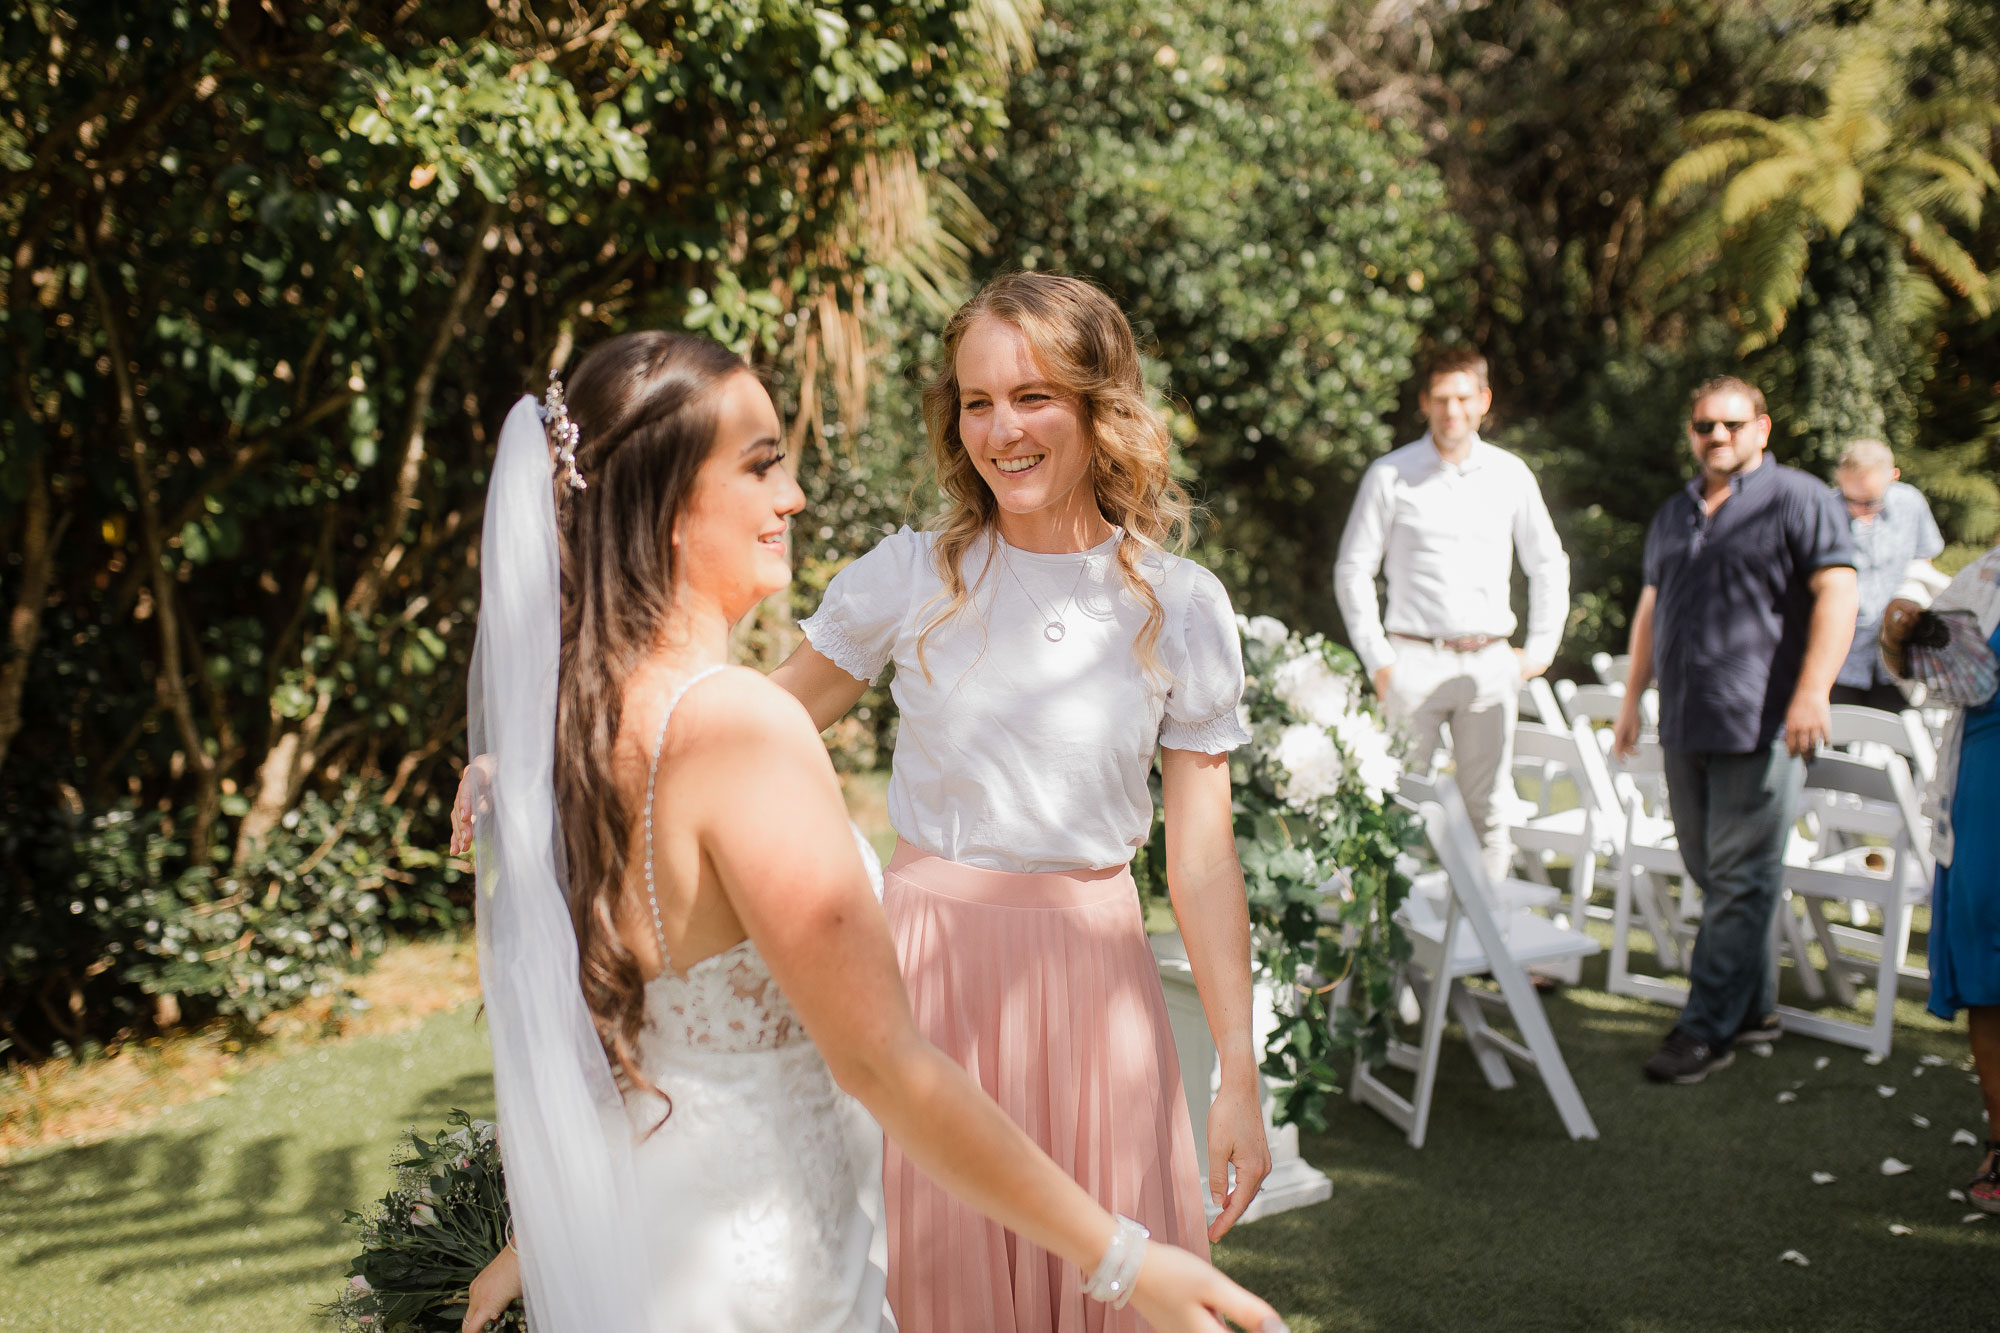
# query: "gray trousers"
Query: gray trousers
{"points": [[1478, 695], [1732, 813]]}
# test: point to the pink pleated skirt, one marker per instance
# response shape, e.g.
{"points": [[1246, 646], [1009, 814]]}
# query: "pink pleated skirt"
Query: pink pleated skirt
{"points": [[1044, 988]]}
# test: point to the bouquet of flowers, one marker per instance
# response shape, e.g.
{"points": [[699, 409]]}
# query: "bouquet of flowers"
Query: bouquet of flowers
{"points": [[1318, 836], [424, 1241]]}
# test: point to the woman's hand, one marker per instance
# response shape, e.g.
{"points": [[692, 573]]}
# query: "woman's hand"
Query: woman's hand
{"points": [[1178, 1293], [475, 798], [497, 1286], [1236, 1138]]}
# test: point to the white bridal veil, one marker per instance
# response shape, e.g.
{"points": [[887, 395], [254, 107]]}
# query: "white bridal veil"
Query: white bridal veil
{"points": [[564, 1137]]}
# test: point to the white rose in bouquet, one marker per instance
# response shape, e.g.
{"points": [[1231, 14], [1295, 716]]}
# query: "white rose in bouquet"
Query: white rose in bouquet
{"points": [[1266, 630], [1311, 689], [1368, 745], [1309, 765]]}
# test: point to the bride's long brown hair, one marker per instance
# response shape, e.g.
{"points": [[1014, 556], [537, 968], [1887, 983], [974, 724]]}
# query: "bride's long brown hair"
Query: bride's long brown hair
{"points": [[644, 407]]}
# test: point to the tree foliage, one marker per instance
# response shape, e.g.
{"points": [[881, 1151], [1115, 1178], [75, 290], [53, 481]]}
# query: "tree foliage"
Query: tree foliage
{"points": [[275, 271], [1776, 187], [1279, 252], [1554, 127]]}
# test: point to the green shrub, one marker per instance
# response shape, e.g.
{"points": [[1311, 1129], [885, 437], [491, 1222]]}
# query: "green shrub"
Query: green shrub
{"points": [[116, 911]]}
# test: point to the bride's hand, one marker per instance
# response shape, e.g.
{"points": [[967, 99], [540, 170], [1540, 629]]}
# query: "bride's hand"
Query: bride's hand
{"points": [[475, 798], [1178, 1293], [497, 1286]]}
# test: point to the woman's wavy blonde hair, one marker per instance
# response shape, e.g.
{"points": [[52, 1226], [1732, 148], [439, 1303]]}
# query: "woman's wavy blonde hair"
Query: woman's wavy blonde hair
{"points": [[1083, 344]]}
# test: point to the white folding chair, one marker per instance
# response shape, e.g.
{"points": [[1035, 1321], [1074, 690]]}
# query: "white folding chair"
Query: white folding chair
{"points": [[1470, 938], [1582, 832], [1538, 703], [1600, 704], [1840, 820], [1903, 732], [1611, 670], [1889, 877]]}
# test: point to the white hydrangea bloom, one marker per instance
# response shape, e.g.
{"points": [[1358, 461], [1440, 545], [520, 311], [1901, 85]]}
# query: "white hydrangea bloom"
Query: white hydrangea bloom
{"points": [[1267, 630], [1309, 764], [1310, 688], [1375, 763]]}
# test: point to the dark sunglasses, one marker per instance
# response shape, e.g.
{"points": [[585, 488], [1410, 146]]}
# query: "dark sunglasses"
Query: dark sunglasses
{"points": [[1708, 427]]}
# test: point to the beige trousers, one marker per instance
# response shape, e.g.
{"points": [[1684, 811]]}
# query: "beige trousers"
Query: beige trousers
{"points": [[1478, 696]]}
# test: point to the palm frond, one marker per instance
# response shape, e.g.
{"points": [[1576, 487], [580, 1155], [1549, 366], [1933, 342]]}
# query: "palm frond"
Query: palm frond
{"points": [[1005, 30], [900, 220], [1746, 124], [1834, 196], [1960, 198], [1702, 166], [1760, 185], [1775, 254], [1689, 249], [1858, 86], [1919, 301], [1949, 260]]}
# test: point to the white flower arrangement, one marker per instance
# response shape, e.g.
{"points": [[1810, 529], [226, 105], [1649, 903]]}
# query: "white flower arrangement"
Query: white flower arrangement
{"points": [[1313, 728], [1318, 835]]}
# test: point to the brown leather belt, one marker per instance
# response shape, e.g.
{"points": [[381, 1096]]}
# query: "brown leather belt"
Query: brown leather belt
{"points": [[1460, 643]]}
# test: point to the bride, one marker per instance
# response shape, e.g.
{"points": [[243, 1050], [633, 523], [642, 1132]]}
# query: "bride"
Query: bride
{"points": [[680, 1045]]}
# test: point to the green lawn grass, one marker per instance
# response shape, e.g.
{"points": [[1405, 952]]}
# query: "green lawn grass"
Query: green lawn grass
{"points": [[223, 1216]]}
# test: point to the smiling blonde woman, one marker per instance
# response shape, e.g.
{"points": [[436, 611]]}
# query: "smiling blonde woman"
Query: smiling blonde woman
{"points": [[1048, 646]]}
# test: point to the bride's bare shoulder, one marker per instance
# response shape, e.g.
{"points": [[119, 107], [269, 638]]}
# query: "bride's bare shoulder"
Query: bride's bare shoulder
{"points": [[739, 708]]}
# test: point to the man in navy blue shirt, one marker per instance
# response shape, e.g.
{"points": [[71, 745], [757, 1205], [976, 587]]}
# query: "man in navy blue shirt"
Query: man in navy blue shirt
{"points": [[1746, 617]]}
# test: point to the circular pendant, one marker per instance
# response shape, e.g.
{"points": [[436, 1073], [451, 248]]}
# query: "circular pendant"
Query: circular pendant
{"points": [[1054, 631]]}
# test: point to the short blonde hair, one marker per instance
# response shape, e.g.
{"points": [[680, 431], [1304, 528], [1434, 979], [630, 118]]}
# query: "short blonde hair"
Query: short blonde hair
{"points": [[1866, 456]]}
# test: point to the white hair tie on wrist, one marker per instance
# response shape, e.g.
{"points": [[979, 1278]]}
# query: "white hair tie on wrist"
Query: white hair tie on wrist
{"points": [[1119, 1268]]}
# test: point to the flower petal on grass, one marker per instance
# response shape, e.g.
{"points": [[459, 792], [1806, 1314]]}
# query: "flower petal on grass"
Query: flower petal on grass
{"points": [[1899, 1229], [1822, 1062], [1921, 1122], [1763, 1050], [1892, 1167], [1884, 1090], [1788, 1096], [1972, 1217], [1873, 1059], [1794, 1257], [1966, 1137], [1932, 1060], [1823, 1177], [1956, 1196]]}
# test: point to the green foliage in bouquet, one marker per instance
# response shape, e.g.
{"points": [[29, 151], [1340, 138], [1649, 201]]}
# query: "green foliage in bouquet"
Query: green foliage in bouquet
{"points": [[427, 1238], [1318, 833]]}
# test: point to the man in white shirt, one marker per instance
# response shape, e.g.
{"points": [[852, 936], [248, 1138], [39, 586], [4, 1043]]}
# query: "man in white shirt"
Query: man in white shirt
{"points": [[1444, 518]]}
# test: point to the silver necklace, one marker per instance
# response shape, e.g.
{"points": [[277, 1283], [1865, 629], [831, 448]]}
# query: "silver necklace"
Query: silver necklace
{"points": [[1054, 627]]}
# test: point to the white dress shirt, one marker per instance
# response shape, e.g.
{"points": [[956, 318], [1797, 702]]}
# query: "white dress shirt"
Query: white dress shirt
{"points": [[1015, 752], [1448, 534]]}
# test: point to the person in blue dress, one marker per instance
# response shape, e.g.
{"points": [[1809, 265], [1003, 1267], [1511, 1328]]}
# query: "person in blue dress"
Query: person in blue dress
{"points": [[1964, 801]]}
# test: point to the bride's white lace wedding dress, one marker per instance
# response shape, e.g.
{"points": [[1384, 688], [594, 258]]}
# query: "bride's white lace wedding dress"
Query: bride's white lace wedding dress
{"points": [[762, 1187]]}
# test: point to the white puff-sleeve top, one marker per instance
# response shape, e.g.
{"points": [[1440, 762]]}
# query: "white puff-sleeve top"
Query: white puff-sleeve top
{"points": [[1020, 752]]}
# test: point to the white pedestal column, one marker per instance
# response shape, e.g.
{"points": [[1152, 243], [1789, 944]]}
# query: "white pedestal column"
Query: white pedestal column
{"points": [[1293, 1182]]}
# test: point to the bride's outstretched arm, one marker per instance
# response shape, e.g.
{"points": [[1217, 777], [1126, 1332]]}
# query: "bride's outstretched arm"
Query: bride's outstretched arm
{"points": [[803, 896]]}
